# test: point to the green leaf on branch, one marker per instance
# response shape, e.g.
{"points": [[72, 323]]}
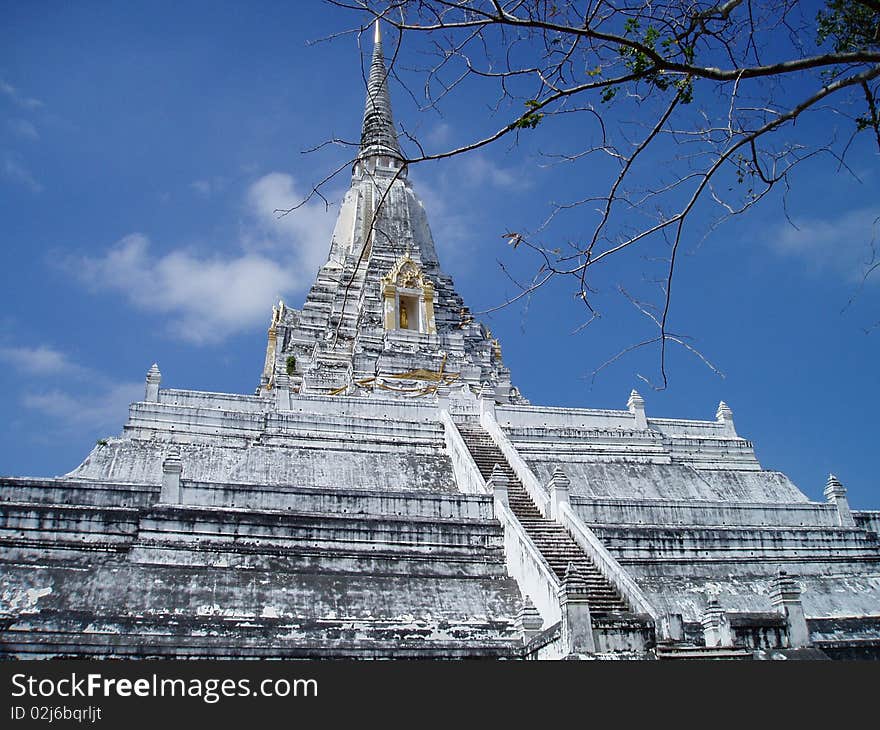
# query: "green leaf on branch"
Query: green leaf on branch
{"points": [[531, 118], [850, 26], [642, 64]]}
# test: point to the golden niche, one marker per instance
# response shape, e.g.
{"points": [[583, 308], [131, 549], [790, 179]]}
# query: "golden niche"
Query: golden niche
{"points": [[409, 298]]}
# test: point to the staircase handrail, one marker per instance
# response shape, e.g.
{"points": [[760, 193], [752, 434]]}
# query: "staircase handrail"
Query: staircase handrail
{"points": [[467, 473], [522, 470], [525, 562], [613, 571], [586, 539], [531, 571]]}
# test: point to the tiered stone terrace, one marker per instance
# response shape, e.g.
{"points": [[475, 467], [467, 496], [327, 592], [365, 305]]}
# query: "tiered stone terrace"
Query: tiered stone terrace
{"points": [[687, 510]]}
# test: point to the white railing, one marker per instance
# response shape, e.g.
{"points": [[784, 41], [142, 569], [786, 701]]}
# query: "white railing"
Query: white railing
{"points": [[547, 644], [524, 561], [520, 468], [605, 561], [467, 475], [583, 535], [528, 567]]}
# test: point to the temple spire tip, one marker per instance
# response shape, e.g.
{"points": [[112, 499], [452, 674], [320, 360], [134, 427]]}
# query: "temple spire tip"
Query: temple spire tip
{"points": [[378, 135]]}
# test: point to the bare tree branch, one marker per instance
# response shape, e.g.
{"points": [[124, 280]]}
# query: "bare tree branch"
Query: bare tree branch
{"points": [[690, 102]]}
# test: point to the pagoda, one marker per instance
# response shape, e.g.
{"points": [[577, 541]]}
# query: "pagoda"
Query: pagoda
{"points": [[381, 314], [387, 492]]}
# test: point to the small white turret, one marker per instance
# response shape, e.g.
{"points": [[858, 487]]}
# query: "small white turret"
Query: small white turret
{"points": [[154, 378], [636, 406]]}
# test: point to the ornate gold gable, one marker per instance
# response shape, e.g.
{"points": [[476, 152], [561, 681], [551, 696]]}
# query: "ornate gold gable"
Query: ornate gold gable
{"points": [[405, 273], [409, 298]]}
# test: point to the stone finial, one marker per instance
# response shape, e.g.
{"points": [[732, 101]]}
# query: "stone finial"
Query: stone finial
{"points": [[636, 406], [577, 623], [835, 493], [172, 467], [574, 582], [635, 401], [172, 463], [785, 589], [833, 487], [528, 620], [716, 627], [559, 491], [154, 378], [498, 483], [785, 596], [724, 416], [498, 476], [558, 477]]}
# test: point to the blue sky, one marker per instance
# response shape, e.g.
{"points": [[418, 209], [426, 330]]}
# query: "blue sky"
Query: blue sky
{"points": [[144, 148]]}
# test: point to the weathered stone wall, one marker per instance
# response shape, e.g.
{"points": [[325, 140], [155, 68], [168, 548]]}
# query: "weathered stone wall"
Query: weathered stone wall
{"points": [[868, 520], [635, 544], [673, 481], [148, 610], [332, 528], [847, 638], [686, 509], [66, 491], [843, 594], [343, 572], [368, 443], [682, 553], [685, 512], [604, 454]]}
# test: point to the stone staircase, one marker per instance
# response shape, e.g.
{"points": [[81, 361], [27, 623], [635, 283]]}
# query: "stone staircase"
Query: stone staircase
{"points": [[554, 542]]}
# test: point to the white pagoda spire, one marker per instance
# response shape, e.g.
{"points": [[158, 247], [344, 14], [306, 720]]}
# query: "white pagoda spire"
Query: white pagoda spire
{"points": [[378, 137]]}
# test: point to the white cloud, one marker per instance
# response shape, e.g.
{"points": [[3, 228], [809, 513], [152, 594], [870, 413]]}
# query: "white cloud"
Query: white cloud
{"points": [[451, 195], [24, 129], [451, 228], [106, 407], [303, 234], [88, 400], [439, 135], [478, 170], [17, 98], [14, 170], [208, 298], [208, 187], [40, 360], [846, 245], [202, 187]]}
